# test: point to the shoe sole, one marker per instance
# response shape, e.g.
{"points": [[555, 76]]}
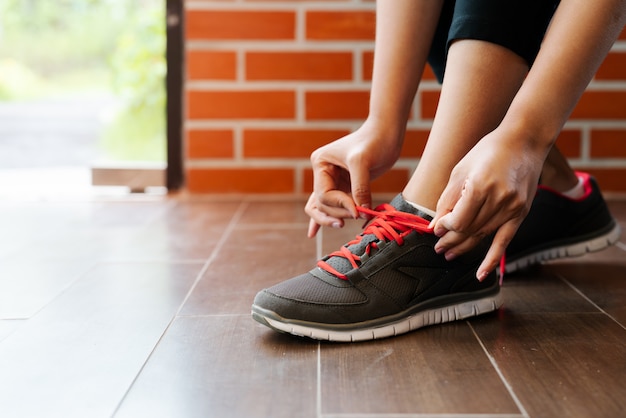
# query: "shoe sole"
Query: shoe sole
{"points": [[566, 251], [397, 325]]}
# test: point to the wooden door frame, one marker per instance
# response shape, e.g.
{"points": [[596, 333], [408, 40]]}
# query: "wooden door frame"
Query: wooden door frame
{"points": [[175, 18]]}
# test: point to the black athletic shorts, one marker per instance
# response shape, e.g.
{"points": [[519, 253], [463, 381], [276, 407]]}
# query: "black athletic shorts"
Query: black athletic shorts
{"points": [[518, 25]]}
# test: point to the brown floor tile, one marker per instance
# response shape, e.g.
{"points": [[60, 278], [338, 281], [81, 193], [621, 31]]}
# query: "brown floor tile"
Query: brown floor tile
{"points": [[186, 230], [276, 213], [250, 260], [70, 231], [225, 366], [434, 370], [27, 286], [558, 341], [560, 365], [601, 278], [539, 289], [78, 356]]}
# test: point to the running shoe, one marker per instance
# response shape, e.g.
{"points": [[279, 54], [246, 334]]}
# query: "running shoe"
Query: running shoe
{"points": [[386, 282], [558, 227]]}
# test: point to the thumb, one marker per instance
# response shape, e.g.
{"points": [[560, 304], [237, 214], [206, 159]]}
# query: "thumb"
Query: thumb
{"points": [[446, 203], [360, 186]]}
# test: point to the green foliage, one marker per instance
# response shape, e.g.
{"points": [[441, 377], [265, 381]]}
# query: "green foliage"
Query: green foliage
{"points": [[54, 36], [65, 46], [139, 69], [17, 80]]}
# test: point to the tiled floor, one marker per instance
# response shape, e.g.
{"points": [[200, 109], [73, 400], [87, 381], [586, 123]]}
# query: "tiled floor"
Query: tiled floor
{"points": [[140, 308]]}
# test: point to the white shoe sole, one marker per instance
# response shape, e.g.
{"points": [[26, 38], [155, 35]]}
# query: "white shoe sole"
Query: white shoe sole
{"points": [[360, 332], [566, 251]]}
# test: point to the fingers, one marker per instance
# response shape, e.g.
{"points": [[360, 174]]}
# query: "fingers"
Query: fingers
{"points": [[498, 247], [467, 218], [457, 209], [319, 218]]}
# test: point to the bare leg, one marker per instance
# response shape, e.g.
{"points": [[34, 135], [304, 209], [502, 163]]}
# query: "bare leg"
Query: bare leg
{"points": [[557, 173], [481, 80]]}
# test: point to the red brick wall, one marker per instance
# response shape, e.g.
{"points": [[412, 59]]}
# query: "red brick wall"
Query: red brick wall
{"points": [[267, 82]]}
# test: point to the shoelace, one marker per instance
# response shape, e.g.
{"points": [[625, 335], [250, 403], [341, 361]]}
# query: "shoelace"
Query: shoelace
{"points": [[387, 224]]}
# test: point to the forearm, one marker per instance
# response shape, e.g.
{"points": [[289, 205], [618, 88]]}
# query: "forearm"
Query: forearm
{"points": [[403, 36], [579, 38]]}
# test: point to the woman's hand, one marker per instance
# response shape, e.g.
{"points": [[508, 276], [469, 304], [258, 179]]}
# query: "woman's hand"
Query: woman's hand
{"points": [[342, 171], [490, 190]]}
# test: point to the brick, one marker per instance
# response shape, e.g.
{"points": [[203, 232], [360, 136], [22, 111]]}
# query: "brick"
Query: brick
{"points": [[210, 144], [428, 74], [341, 25], [393, 181], [287, 143], [329, 105], [613, 67], [609, 179], [428, 103], [414, 143], [240, 104], [314, 66], [240, 180], [601, 105], [608, 143], [211, 65], [569, 143], [240, 25]]}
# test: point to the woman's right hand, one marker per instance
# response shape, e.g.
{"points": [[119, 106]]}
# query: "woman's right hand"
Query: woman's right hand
{"points": [[342, 171]]}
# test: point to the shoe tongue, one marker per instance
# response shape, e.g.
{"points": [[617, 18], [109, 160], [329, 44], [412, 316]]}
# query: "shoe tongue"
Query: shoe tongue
{"points": [[342, 264], [399, 203]]}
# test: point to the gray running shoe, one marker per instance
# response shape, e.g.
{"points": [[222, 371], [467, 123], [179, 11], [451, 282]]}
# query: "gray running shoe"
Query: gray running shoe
{"points": [[386, 282], [559, 227]]}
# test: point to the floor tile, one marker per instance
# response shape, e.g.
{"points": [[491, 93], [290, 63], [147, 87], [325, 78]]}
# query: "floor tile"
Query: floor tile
{"points": [[275, 213], [600, 280], [540, 289], [78, 356], [225, 366], [27, 286], [434, 370], [187, 230], [560, 365], [250, 260], [8, 326]]}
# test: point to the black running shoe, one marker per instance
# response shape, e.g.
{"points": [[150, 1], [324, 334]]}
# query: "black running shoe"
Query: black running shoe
{"points": [[386, 282], [558, 227]]}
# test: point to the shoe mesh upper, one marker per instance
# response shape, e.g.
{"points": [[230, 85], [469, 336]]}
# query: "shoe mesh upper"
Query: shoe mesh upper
{"points": [[390, 222]]}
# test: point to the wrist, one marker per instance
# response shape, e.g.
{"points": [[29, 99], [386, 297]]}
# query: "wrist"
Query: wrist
{"points": [[535, 135], [389, 130]]}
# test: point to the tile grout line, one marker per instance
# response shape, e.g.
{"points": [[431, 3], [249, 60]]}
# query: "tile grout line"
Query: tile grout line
{"points": [[318, 400], [508, 386], [421, 415], [595, 305], [220, 243], [228, 230]]}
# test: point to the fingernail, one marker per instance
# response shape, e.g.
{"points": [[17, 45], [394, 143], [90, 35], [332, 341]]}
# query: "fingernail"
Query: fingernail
{"points": [[336, 225], [481, 275], [450, 256]]}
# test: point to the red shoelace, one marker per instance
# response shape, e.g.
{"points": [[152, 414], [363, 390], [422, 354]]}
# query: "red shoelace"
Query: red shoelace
{"points": [[387, 224]]}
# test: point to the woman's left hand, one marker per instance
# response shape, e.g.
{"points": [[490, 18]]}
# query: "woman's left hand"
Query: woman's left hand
{"points": [[490, 190]]}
